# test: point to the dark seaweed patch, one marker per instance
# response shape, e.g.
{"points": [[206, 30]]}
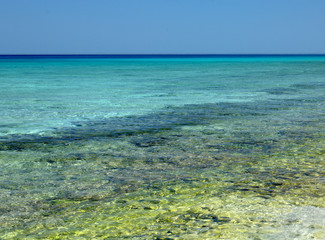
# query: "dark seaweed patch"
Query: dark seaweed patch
{"points": [[167, 119], [149, 141]]}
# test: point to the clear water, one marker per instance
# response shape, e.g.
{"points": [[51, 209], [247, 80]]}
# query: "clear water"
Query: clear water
{"points": [[162, 148]]}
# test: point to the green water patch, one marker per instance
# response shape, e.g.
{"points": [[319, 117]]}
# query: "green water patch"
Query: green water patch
{"points": [[227, 171]]}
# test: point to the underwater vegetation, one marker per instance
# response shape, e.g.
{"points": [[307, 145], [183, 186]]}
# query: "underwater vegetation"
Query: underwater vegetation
{"points": [[203, 171]]}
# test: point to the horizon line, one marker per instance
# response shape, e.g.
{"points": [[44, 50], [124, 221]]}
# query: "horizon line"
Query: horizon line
{"points": [[163, 55], [1, 54]]}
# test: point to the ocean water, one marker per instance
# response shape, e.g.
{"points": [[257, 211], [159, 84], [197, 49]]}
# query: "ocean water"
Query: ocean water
{"points": [[162, 147]]}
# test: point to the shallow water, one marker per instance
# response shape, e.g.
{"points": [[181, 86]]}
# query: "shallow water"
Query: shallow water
{"points": [[215, 148]]}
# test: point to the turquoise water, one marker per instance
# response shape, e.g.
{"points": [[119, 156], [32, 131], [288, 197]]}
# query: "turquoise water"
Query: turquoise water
{"points": [[162, 148], [44, 94]]}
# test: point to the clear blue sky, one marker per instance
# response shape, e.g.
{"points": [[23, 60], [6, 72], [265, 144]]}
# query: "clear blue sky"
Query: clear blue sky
{"points": [[161, 26]]}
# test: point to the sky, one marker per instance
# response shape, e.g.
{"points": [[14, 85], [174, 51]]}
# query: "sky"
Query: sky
{"points": [[162, 26]]}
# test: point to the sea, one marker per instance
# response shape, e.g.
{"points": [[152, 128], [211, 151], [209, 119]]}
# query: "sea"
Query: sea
{"points": [[162, 147]]}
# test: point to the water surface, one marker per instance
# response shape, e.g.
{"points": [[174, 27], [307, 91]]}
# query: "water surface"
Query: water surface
{"points": [[228, 147]]}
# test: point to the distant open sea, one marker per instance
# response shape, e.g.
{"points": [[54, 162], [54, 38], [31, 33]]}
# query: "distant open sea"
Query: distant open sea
{"points": [[162, 147]]}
